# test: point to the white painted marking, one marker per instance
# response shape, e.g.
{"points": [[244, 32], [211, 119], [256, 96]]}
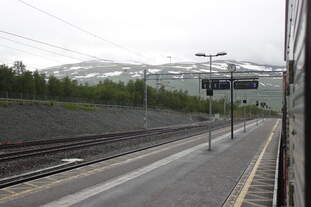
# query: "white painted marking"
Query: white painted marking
{"points": [[72, 160], [100, 188]]}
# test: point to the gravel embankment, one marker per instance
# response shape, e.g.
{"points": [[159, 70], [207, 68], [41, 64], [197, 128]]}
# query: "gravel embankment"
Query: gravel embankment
{"points": [[29, 122]]}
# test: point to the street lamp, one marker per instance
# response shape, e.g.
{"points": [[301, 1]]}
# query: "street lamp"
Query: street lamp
{"points": [[231, 68], [210, 75], [170, 57]]}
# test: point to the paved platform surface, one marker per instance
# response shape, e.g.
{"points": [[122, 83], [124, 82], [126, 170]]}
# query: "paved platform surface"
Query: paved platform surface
{"points": [[180, 174], [257, 187]]}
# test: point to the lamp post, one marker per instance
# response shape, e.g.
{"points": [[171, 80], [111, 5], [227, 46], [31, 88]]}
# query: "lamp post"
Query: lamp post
{"points": [[231, 68], [210, 75], [170, 57]]}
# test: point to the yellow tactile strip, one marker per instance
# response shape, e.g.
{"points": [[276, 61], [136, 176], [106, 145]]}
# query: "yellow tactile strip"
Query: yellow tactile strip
{"points": [[255, 188]]}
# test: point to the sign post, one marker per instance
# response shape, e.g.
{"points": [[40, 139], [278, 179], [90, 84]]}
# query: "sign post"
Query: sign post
{"points": [[145, 100], [244, 115], [230, 83]]}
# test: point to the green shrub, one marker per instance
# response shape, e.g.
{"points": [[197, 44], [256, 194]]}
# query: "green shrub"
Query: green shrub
{"points": [[4, 104], [76, 107]]}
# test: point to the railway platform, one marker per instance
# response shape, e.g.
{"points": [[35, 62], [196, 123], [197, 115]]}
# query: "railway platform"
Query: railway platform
{"points": [[257, 186], [238, 172]]}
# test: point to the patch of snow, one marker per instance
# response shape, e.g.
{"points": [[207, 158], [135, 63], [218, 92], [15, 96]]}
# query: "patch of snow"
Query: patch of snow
{"points": [[253, 67], [56, 72], [221, 66], [154, 70], [78, 77], [174, 72], [183, 67], [73, 68], [135, 75], [126, 68], [110, 74], [91, 75], [196, 71]]}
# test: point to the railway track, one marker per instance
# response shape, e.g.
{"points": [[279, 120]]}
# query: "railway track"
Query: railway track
{"points": [[79, 143], [92, 141], [74, 139]]}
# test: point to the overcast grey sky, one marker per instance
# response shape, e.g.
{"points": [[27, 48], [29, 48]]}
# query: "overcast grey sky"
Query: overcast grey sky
{"points": [[251, 30]]}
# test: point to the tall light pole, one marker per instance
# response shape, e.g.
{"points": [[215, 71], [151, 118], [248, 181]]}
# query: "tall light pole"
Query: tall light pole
{"points": [[170, 57], [210, 74], [231, 68]]}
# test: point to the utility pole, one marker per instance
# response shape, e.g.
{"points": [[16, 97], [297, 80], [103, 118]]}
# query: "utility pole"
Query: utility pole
{"points": [[210, 86], [210, 104], [158, 82], [244, 115], [145, 100], [225, 98], [231, 91], [199, 86]]}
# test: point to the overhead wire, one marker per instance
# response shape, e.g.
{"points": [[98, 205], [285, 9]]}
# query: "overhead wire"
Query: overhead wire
{"points": [[52, 45], [38, 48], [81, 29], [30, 53]]}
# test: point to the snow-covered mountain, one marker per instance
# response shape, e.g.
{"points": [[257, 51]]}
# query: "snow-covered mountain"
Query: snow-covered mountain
{"points": [[94, 71]]}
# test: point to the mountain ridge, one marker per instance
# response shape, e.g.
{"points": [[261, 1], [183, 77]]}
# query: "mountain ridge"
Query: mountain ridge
{"points": [[91, 72]]}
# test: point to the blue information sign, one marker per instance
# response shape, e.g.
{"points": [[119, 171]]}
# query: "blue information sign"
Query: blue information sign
{"points": [[220, 84], [245, 84], [217, 84]]}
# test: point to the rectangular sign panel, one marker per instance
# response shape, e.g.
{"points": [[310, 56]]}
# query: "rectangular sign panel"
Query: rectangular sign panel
{"points": [[205, 83], [220, 84], [217, 84], [245, 84]]}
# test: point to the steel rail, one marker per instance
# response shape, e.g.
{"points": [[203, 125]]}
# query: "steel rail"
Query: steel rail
{"points": [[6, 182], [75, 139], [54, 149], [79, 145]]}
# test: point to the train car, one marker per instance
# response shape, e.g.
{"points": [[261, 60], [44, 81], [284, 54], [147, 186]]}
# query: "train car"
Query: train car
{"points": [[295, 159]]}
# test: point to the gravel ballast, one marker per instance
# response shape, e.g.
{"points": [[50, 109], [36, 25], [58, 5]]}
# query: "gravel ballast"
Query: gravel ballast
{"points": [[35, 121]]}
